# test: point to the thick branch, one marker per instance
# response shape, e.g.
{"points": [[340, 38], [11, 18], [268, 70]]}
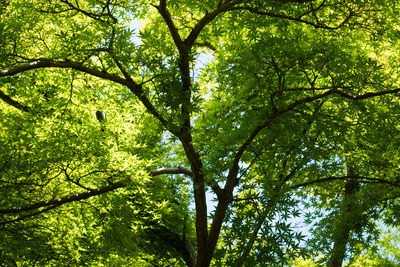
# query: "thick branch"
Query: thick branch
{"points": [[162, 9], [184, 135], [203, 252], [46, 63], [233, 171], [27, 215], [12, 102]]}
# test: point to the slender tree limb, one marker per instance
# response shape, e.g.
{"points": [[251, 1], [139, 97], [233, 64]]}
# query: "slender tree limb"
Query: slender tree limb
{"points": [[296, 89], [64, 200], [98, 17], [259, 223], [110, 51], [28, 215], [12, 102], [121, 67], [296, 19], [89, 193], [338, 92], [366, 95], [177, 170], [361, 179], [276, 193]]}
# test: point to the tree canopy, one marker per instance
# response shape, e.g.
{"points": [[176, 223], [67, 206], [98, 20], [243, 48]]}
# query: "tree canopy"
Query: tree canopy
{"points": [[197, 133]]}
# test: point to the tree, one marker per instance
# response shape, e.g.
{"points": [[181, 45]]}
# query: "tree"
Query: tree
{"points": [[112, 135]]}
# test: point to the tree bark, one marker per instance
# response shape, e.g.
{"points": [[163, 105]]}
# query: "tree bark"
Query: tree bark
{"points": [[345, 224]]}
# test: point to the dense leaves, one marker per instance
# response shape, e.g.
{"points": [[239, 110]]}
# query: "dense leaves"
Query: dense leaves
{"points": [[198, 133]]}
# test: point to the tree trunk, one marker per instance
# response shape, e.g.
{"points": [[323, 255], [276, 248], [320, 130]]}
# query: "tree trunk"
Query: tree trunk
{"points": [[346, 221]]}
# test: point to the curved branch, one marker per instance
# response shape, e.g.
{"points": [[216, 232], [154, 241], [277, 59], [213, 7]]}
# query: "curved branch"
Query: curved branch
{"points": [[296, 19], [335, 90], [134, 87], [90, 193], [47, 63], [64, 200]]}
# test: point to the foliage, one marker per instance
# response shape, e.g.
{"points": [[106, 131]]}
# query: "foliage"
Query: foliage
{"points": [[170, 133]]}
